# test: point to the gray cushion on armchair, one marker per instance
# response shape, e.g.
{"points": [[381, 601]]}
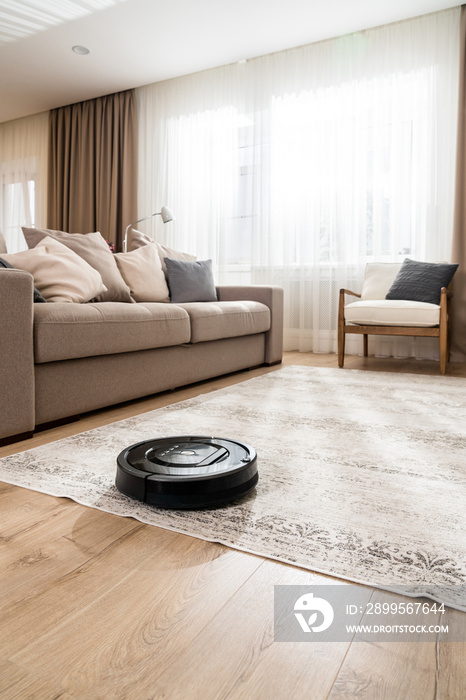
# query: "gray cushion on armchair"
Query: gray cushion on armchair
{"points": [[421, 281]]}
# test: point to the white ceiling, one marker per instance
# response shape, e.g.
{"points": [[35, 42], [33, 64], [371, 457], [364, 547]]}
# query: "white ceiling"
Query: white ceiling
{"points": [[137, 42]]}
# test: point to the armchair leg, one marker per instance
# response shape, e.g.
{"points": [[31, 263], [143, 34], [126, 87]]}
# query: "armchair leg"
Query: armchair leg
{"points": [[341, 348], [443, 331], [341, 329], [366, 350], [443, 352]]}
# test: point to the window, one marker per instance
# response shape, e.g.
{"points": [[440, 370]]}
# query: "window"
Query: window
{"points": [[23, 177], [17, 205]]}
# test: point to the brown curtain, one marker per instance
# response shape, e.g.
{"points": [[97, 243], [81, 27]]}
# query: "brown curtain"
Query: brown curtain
{"points": [[93, 166], [458, 301]]}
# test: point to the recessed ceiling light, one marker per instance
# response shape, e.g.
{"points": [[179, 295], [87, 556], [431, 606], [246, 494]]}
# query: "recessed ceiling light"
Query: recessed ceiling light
{"points": [[81, 50]]}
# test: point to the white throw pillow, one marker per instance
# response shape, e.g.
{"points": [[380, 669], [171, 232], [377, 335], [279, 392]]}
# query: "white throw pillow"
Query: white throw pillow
{"points": [[142, 271], [59, 274], [378, 278]]}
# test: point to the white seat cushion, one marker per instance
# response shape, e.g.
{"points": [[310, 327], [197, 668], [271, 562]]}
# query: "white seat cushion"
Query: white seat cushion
{"points": [[385, 312]]}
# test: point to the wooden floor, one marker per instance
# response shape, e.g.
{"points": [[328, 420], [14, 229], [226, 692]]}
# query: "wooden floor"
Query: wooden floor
{"points": [[98, 606]]}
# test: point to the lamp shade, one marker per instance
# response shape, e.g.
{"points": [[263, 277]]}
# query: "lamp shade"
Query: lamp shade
{"points": [[166, 215]]}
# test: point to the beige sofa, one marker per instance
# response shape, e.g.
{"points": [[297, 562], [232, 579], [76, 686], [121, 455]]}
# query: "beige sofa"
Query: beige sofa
{"points": [[64, 359]]}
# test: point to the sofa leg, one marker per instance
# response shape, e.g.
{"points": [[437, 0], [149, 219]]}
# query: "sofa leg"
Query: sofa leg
{"points": [[365, 344], [57, 423], [15, 438]]}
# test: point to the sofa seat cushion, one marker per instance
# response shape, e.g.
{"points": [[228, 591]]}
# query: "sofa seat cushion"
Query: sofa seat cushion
{"points": [[386, 312], [226, 319], [66, 331]]}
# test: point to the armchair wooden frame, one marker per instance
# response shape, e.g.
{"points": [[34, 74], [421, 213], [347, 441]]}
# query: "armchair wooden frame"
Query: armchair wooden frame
{"points": [[440, 331]]}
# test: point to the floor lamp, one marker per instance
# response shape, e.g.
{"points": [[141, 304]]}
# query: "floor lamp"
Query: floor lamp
{"points": [[165, 213]]}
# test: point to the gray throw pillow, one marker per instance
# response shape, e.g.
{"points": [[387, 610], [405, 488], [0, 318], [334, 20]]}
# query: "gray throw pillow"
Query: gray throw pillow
{"points": [[38, 298], [421, 281], [190, 280]]}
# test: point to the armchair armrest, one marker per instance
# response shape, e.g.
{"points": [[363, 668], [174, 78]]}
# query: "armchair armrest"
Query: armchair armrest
{"points": [[347, 291], [17, 353], [271, 296], [341, 306]]}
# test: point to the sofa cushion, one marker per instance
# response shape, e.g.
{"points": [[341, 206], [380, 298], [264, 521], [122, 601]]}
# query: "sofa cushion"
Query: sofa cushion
{"points": [[65, 331], [166, 252], [142, 271], [190, 280], [59, 274], [93, 248], [137, 239], [381, 312], [226, 319]]}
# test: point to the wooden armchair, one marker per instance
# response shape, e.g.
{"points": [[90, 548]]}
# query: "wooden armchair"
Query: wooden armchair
{"points": [[373, 314]]}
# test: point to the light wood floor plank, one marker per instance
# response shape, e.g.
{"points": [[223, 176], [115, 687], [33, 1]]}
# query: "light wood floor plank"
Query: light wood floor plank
{"points": [[414, 672], [451, 658], [137, 610], [54, 545], [18, 684], [236, 657]]}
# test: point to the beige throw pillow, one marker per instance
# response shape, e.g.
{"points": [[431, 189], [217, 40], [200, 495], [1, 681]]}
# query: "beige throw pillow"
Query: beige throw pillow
{"points": [[165, 252], [92, 248], [59, 274], [137, 239], [142, 271]]}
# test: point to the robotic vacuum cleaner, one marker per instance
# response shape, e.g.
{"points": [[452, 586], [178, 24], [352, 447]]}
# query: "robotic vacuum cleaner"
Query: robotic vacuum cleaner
{"points": [[187, 472]]}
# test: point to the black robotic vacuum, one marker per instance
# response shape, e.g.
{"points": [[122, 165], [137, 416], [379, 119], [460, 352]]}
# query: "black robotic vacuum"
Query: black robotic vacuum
{"points": [[187, 472]]}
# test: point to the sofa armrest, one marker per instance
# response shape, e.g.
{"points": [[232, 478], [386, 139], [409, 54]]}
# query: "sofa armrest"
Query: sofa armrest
{"points": [[271, 296], [17, 353]]}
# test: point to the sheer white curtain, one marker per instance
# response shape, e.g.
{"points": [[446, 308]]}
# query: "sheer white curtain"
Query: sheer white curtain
{"points": [[300, 167], [23, 177], [189, 158]]}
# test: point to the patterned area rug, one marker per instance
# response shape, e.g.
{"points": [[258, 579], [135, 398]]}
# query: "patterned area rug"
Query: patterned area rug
{"points": [[362, 474]]}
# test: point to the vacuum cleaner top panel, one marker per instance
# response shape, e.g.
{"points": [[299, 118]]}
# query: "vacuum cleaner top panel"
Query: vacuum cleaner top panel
{"points": [[188, 456]]}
